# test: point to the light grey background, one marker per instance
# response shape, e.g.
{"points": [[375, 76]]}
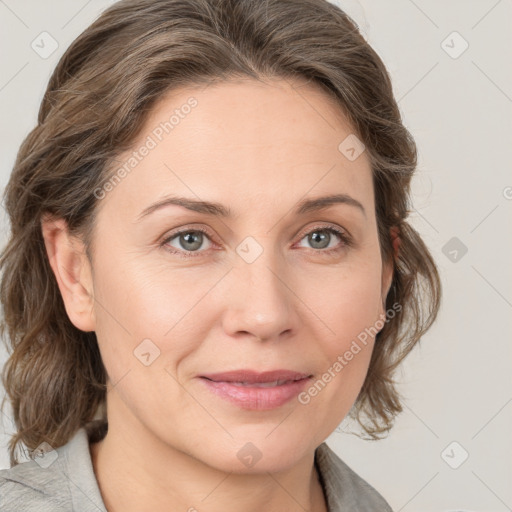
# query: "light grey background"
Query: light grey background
{"points": [[457, 383]]}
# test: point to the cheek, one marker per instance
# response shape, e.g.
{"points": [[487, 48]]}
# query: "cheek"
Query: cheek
{"points": [[350, 306], [347, 300], [136, 303]]}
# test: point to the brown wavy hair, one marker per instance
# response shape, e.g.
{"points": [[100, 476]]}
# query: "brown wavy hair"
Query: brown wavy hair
{"points": [[95, 104]]}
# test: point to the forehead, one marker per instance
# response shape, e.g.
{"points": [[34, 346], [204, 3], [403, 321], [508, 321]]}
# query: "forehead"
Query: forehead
{"points": [[244, 142]]}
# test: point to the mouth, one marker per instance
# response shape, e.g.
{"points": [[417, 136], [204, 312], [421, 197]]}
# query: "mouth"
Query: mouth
{"points": [[256, 391]]}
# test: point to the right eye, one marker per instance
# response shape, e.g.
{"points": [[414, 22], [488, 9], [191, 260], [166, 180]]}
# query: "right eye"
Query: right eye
{"points": [[185, 242]]}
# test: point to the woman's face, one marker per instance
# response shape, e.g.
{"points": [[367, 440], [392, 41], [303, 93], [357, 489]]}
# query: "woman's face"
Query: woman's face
{"points": [[267, 286]]}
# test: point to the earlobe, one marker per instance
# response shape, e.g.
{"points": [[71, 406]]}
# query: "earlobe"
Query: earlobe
{"points": [[71, 268]]}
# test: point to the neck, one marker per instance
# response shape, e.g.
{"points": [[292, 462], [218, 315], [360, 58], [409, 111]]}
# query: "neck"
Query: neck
{"points": [[152, 475]]}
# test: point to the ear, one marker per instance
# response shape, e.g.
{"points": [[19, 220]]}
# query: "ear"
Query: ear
{"points": [[72, 270], [388, 266]]}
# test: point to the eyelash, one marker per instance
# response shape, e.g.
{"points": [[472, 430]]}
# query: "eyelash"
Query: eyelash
{"points": [[344, 237]]}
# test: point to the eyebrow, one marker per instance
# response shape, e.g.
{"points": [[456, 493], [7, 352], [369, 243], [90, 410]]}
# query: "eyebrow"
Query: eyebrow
{"points": [[219, 210]]}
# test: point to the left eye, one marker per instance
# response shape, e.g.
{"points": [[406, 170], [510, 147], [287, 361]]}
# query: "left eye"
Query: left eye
{"points": [[189, 240], [320, 238]]}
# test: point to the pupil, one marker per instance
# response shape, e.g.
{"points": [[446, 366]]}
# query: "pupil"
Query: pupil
{"points": [[318, 237], [189, 239]]}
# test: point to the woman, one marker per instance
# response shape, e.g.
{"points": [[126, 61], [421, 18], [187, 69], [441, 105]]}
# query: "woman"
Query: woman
{"points": [[210, 265]]}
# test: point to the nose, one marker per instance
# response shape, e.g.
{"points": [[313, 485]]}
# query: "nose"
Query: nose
{"points": [[259, 301]]}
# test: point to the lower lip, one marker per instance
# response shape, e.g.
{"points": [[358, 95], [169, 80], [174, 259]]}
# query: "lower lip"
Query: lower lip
{"points": [[254, 398]]}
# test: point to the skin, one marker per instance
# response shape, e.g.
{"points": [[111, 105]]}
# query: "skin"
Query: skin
{"points": [[258, 148]]}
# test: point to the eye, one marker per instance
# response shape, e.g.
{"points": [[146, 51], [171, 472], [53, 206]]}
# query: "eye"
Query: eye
{"points": [[321, 237], [186, 241]]}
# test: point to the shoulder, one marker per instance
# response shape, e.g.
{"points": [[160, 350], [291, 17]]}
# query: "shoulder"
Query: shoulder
{"points": [[57, 480], [28, 486], [344, 488]]}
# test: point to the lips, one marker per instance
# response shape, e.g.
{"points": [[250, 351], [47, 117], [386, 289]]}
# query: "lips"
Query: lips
{"points": [[247, 377], [256, 391]]}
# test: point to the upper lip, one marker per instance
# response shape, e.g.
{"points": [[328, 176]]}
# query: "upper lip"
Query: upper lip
{"points": [[252, 376]]}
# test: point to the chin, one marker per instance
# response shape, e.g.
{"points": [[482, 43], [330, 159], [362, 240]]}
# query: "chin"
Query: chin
{"points": [[257, 453]]}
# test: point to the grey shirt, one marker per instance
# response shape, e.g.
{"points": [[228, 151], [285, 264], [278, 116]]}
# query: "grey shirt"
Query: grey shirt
{"points": [[64, 480]]}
